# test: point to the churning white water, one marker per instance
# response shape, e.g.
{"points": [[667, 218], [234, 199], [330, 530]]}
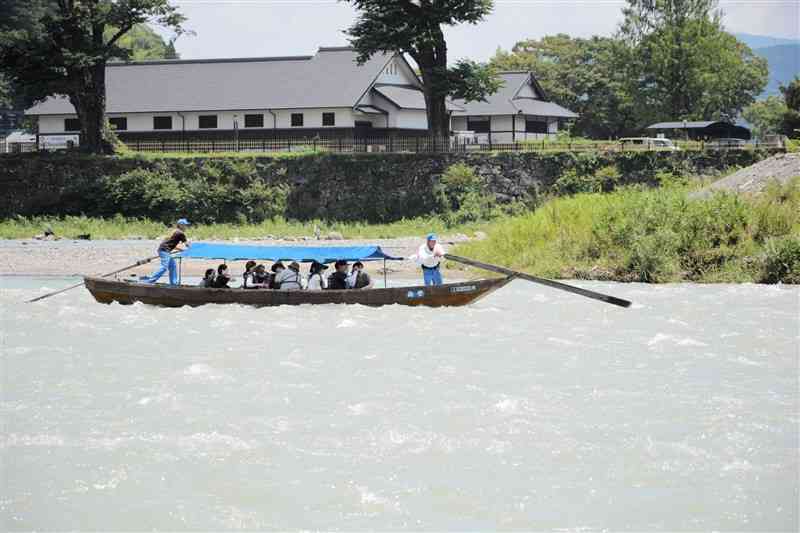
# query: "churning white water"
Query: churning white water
{"points": [[533, 409]]}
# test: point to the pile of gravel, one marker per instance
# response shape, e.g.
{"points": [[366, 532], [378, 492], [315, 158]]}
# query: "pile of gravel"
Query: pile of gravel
{"points": [[754, 179]]}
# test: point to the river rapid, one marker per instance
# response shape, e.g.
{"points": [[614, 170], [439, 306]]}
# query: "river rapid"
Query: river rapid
{"points": [[532, 409]]}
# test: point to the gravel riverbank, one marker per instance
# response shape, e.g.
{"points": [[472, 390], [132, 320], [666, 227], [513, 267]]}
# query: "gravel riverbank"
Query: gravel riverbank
{"points": [[31, 257]]}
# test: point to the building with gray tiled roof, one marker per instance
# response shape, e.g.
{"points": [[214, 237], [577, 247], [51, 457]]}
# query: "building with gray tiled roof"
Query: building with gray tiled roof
{"points": [[327, 95], [518, 111]]}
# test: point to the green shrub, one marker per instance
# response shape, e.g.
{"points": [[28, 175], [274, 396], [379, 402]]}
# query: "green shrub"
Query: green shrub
{"points": [[777, 210], [145, 193], [462, 196], [781, 260]]}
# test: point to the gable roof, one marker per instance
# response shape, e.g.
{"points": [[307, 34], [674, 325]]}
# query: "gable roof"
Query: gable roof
{"points": [[405, 97], [330, 78], [508, 100]]}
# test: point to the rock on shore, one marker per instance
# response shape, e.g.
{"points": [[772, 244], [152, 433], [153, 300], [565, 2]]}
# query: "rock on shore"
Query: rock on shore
{"points": [[754, 179]]}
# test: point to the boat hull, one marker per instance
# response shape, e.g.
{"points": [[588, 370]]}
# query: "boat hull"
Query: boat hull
{"points": [[452, 294]]}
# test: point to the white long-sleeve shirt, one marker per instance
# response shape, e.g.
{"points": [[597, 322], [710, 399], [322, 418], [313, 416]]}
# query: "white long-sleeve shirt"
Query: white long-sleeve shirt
{"points": [[317, 282], [427, 257]]}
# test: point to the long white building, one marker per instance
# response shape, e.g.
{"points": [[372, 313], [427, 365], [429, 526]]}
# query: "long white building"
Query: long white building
{"points": [[327, 95]]}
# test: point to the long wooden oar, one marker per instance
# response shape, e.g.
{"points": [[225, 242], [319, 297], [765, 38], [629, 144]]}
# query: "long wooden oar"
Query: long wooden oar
{"points": [[613, 300], [137, 263]]}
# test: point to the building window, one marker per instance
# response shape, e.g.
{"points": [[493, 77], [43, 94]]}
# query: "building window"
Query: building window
{"points": [[297, 119], [207, 122], [535, 126], [118, 123], [329, 119], [162, 123], [254, 121], [72, 124], [478, 125]]}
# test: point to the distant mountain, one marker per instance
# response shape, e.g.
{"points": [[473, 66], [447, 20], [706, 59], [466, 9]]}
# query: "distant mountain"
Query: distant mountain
{"points": [[782, 54], [784, 65], [763, 41]]}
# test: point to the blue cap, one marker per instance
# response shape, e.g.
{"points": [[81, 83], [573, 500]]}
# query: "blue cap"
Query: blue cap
{"points": [[432, 237], [183, 221]]}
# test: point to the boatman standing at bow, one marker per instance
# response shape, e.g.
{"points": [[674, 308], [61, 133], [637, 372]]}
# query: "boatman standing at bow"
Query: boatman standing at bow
{"points": [[176, 241], [429, 257]]}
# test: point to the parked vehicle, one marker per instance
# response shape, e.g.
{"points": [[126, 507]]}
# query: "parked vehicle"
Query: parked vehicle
{"points": [[647, 143]]}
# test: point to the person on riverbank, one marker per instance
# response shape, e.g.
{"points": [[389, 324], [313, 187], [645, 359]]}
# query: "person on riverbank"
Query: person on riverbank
{"points": [[338, 280], [430, 256], [177, 241], [358, 279], [316, 281]]}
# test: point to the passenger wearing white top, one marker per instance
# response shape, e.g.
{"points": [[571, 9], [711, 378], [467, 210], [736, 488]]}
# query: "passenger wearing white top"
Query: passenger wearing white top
{"points": [[289, 279], [429, 257], [316, 281]]}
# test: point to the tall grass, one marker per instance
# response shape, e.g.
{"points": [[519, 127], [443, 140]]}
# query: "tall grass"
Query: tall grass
{"points": [[132, 228], [654, 235]]}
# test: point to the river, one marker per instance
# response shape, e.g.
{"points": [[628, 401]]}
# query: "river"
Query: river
{"points": [[532, 409]]}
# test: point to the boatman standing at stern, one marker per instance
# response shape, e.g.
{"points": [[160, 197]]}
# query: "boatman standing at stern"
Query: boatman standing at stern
{"points": [[429, 257], [176, 241]]}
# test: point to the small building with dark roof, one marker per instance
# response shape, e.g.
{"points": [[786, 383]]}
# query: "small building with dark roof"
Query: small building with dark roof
{"points": [[701, 130], [520, 110]]}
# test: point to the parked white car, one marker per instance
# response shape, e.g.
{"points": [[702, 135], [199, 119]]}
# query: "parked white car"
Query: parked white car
{"points": [[648, 143]]}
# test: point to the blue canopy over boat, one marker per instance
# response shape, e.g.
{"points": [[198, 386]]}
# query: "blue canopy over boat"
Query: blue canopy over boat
{"points": [[303, 254]]}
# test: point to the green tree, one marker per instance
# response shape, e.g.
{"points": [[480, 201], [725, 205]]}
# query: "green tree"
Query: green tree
{"points": [[414, 27], [588, 76], [144, 44], [685, 64], [791, 118], [61, 47], [766, 115]]}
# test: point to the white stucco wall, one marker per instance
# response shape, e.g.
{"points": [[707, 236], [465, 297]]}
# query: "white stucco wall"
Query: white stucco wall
{"points": [[137, 122], [503, 125]]}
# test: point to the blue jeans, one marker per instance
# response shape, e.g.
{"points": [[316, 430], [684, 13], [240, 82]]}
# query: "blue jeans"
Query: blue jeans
{"points": [[167, 263], [432, 276]]}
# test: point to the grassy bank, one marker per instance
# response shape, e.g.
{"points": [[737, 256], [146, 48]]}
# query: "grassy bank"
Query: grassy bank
{"points": [[131, 228], [653, 235]]}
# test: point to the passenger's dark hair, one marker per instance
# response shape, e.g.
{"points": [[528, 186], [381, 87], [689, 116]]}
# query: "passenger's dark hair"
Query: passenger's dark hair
{"points": [[222, 268], [249, 265], [209, 273]]}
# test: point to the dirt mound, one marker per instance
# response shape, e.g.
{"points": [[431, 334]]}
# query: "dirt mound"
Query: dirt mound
{"points": [[753, 179]]}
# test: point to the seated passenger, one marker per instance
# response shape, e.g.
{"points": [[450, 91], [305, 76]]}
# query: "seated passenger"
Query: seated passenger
{"points": [[277, 268], [316, 281], [247, 277], [358, 279], [338, 280], [208, 279], [289, 279], [260, 278], [222, 279]]}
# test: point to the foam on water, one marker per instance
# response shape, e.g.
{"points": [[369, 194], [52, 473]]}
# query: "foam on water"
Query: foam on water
{"points": [[533, 409]]}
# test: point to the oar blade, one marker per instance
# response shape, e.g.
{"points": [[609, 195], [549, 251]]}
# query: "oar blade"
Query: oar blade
{"points": [[613, 300]]}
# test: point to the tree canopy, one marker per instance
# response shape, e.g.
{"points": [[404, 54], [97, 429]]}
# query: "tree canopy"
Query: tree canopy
{"points": [[671, 60], [685, 64], [415, 28], [61, 47], [587, 76]]}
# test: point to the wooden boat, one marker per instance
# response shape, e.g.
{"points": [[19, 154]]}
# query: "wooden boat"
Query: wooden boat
{"points": [[451, 294]]}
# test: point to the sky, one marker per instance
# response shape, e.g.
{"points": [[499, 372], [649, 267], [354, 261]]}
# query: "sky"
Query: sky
{"points": [[257, 28]]}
